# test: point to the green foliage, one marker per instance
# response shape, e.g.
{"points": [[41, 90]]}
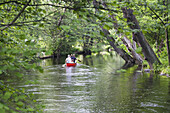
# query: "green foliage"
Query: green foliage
{"points": [[139, 50], [18, 53], [64, 27], [164, 67], [121, 71], [15, 100]]}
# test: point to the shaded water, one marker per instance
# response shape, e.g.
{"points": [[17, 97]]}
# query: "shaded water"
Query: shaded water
{"points": [[93, 86]]}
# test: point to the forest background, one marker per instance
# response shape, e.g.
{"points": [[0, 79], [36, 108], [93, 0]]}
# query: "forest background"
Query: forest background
{"points": [[137, 30]]}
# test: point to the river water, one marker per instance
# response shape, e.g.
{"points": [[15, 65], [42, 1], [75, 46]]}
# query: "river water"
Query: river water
{"points": [[96, 86]]}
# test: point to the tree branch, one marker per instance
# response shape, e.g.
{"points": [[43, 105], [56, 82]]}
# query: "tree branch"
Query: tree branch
{"points": [[19, 14], [9, 2], [20, 23], [53, 5], [157, 15], [60, 19]]}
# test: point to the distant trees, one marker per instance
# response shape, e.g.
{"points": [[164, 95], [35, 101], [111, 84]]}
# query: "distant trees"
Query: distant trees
{"points": [[59, 23], [138, 31]]}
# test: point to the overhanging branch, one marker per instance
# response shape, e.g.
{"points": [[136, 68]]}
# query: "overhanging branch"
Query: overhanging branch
{"points": [[58, 6], [157, 15], [19, 14]]}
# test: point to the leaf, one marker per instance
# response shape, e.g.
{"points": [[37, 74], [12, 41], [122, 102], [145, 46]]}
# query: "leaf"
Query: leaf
{"points": [[0, 71], [19, 74], [94, 25], [88, 56], [28, 42], [16, 99], [7, 95], [14, 112], [127, 33], [40, 69], [131, 23], [39, 10], [106, 27], [30, 109], [1, 105], [68, 36], [65, 27], [20, 104], [17, 108], [6, 107], [139, 50], [22, 36], [27, 66], [41, 25], [101, 33], [34, 23], [48, 52], [125, 19], [2, 110], [34, 13], [120, 70], [135, 13], [44, 11]]}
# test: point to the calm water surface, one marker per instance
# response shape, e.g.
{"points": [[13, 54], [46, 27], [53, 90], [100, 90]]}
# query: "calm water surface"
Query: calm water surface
{"points": [[93, 86]]}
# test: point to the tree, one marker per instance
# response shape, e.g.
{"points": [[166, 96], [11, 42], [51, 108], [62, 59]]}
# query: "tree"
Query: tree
{"points": [[29, 27], [147, 50], [131, 47]]}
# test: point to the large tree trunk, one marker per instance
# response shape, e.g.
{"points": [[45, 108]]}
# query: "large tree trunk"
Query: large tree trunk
{"points": [[147, 50], [131, 47], [128, 59]]}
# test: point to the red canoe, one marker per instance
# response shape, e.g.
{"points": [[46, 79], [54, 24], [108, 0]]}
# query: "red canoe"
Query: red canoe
{"points": [[70, 64]]}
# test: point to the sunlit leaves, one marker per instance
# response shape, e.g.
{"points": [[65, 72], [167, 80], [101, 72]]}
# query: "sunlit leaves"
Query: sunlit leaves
{"points": [[139, 50], [107, 27], [40, 69], [2, 110], [19, 75], [1, 105], [20, 104], [1, 71], [20, 44], [101, 33], [30, 109], [7, 95], [21, 97], [65, 27], [18, 50], [21, 36]]}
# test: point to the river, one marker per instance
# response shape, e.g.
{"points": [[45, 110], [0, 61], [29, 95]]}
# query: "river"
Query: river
{"points": [[96, 85]]}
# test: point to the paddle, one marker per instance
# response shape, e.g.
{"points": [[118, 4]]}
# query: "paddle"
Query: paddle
{"points": [[63, 65], [79, 60]]}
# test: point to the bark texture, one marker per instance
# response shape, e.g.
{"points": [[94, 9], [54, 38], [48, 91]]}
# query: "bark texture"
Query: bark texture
{"points": [[131, 47], [148, 52], [128, 59]]}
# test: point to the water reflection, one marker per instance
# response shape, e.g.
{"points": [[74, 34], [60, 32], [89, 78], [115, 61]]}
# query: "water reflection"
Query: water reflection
{"points": [[69, 73], [94, 87]]}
